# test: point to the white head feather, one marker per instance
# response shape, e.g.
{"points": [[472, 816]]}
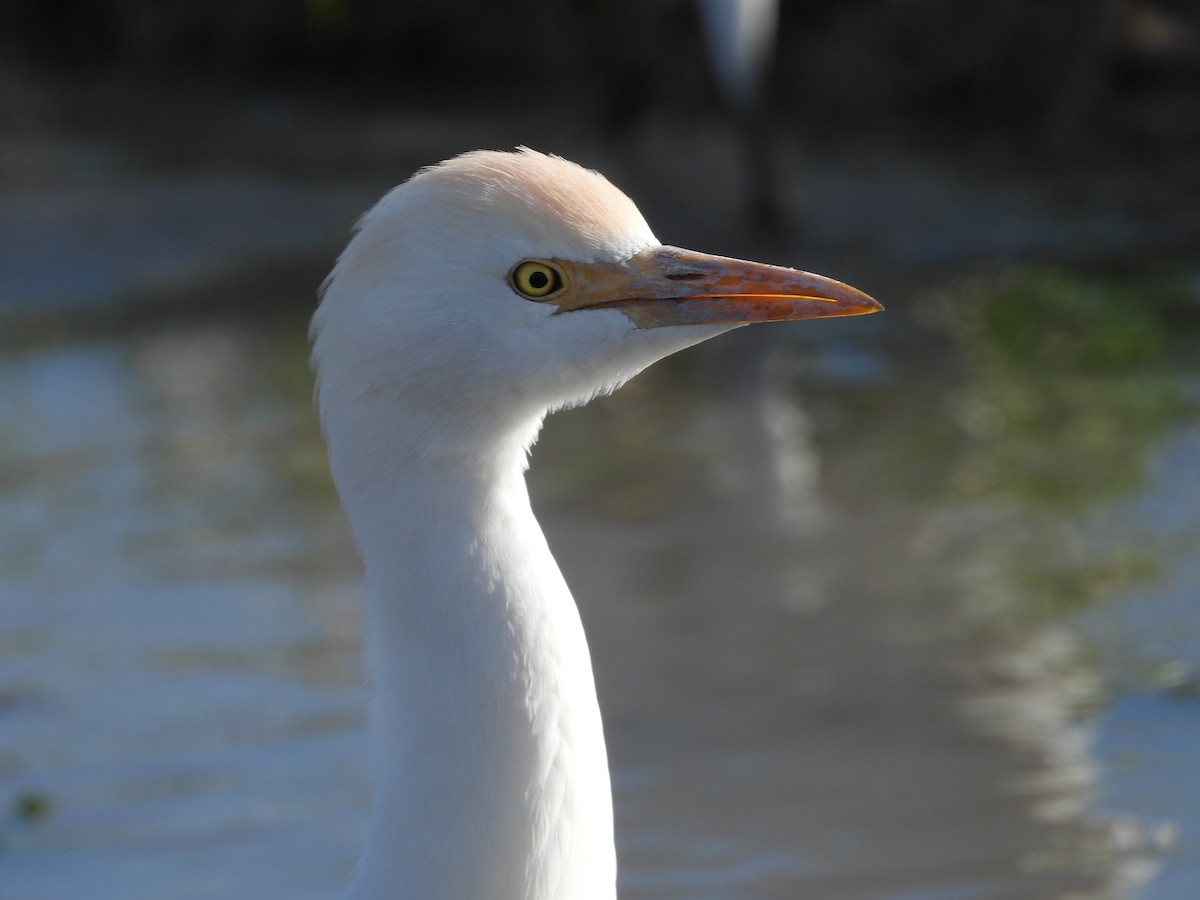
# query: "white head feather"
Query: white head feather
{"points": [[418, 312]]}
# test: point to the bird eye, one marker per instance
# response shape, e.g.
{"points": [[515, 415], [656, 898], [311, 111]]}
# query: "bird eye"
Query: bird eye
{"points": [[535, 280]]}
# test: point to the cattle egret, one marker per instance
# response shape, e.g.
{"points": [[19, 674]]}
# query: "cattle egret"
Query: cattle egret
{"points": [[741, 36], [475, 298], [741, 40]]}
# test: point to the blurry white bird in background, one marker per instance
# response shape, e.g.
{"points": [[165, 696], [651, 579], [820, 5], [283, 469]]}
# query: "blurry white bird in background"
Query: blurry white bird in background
{"points": [[741, 37], [741, 43], [475, 298]]}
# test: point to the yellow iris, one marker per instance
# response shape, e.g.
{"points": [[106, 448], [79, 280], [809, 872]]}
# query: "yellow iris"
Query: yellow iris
{"points": [[536, 279]]}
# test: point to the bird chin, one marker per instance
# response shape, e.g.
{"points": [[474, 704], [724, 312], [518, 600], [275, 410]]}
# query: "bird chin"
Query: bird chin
{"points": [[676, 325], [663, 339]]}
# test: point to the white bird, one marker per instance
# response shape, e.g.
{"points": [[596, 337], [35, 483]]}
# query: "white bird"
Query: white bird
{"points": [[741, 36], [475, 298], [741, 40]]}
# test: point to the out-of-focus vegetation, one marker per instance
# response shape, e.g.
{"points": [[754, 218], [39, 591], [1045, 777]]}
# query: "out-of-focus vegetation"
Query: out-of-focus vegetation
{"points": [[1047, 73], [1070, 382], [31, 806]]}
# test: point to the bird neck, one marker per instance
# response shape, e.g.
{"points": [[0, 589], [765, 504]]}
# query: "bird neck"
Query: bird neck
{"points": [[493, 777]]}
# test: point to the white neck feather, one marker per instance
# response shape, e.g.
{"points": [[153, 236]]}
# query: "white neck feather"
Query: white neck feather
{"points": [[493, 774]]}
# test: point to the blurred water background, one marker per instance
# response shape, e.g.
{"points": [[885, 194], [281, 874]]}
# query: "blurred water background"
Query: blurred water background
{"points": [[903, 607]]}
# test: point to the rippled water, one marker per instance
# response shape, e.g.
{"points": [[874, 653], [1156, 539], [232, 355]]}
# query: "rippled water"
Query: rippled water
{"points": [[821, 668], [898, 608], [179, 674]]}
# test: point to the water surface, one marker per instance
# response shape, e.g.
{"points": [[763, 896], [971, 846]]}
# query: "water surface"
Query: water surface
{"points": [[900, 608], [815, 676]]}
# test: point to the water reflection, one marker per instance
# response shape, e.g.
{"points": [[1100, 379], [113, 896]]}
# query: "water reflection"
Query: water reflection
{"points": [[1068, 383], [1071, 392], [795, 556], [762, 461], [169, 679]]}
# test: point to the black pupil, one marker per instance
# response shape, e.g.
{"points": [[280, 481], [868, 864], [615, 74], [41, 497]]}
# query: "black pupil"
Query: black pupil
{"points": [[538, 280]]}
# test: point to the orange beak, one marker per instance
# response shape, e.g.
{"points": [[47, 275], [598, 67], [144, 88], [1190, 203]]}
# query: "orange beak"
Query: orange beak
{"points": [[670, 286]]}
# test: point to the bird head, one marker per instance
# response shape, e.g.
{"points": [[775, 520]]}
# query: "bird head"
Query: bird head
{"points": [[496, 286]]}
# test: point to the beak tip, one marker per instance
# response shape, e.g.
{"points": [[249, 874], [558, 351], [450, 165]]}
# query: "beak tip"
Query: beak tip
{"points": [[860, 304]]}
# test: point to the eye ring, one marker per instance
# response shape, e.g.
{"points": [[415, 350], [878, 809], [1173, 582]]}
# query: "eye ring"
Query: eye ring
{"points": [[535, 279]]}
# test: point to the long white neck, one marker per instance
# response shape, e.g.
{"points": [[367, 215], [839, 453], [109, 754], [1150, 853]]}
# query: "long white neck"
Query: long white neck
{"points": [[493, 776]]}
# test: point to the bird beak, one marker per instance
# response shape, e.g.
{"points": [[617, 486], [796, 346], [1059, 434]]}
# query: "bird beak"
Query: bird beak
{"points": [[669, 286]]}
